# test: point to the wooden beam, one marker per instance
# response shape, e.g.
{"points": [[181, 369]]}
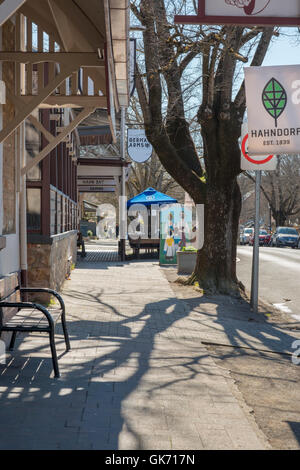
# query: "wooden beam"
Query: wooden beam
{"points": [[9, 8], [76, 59], [34, 102], [39, 126], [57, 140], [75, 28], [79, 101]]}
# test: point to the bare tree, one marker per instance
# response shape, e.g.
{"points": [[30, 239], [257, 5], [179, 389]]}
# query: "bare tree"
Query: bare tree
{"points": [[169, 51], [281, 188], [150, 173]]}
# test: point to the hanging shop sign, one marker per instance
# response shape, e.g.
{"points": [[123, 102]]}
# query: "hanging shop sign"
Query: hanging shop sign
{"points": [[245, 12], [96, 188], [273, 103], [138, 147], [257, 162], [93, 181]]}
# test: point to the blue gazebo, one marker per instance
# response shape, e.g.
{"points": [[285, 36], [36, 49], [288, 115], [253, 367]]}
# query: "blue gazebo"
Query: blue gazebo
{"points": [[150, 197]]}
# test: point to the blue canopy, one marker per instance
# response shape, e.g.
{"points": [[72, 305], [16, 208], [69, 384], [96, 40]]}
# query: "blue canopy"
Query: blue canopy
{"points": [[151, 196]]}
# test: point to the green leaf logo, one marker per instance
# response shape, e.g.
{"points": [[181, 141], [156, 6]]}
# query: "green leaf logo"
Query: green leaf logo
{"points": [[274, 99]]}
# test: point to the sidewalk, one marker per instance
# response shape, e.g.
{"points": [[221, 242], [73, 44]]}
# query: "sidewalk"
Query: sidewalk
{"points": [[138, 375]]}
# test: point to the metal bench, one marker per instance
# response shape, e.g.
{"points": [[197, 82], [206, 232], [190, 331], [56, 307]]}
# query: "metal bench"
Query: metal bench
{"points": [[33, 317]]}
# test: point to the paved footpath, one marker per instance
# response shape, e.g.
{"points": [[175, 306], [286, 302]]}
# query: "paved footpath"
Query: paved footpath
{"points": [[138, 375]]}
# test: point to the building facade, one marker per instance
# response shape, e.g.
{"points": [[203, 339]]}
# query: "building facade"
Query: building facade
{"points": [[60, 61]]}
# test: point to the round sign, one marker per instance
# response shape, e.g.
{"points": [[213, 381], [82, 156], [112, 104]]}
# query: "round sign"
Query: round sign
{"points": [[138, 147], [253, 159]]}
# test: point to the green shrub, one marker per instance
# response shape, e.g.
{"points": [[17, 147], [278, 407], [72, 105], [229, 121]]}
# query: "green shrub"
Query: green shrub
{"points": [[189, 248]]}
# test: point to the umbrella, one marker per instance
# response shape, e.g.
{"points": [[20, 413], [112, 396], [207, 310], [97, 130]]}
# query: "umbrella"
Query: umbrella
{"points": [[150, 197]]}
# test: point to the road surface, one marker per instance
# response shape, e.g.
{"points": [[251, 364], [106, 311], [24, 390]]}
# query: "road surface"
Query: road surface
{"points": [[279, 276]]}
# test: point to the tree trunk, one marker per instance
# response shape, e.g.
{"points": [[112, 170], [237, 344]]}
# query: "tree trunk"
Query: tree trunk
{"points": [[280, 218], [167, 57], [216, 262]]}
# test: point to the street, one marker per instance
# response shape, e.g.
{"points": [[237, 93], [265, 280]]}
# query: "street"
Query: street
{"points": [[279, 271]]}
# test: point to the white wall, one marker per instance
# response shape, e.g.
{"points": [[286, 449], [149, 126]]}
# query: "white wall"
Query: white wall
{"points": [[9, 257]]}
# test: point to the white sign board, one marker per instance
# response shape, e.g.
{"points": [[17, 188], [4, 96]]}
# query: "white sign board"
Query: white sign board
{"points": [[258, 162], [273, 102], [96, 189], [92, 181], [273, 8], [138, 147], [244, 12]]}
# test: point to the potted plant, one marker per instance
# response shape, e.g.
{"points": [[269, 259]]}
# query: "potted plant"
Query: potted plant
{"points": [[186, 260]]}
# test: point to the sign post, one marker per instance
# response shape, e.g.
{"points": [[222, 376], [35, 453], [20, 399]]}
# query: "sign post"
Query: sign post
{"points": [[255, 258], [257, 164]]}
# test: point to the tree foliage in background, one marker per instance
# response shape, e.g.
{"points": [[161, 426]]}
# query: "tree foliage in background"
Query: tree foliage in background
{"points": [[281, 188], [151, 173]]}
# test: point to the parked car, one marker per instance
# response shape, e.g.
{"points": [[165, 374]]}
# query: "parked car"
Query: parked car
{"points": [[245, 236], [285, 236], [264, 238]]}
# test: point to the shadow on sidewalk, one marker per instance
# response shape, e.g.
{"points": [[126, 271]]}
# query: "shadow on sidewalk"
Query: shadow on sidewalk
{"points": [[41, 412], [84, 408]]}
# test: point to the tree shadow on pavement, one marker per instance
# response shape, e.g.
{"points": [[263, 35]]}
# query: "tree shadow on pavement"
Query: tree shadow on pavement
{"points": [[84, 409], [113, 350]]}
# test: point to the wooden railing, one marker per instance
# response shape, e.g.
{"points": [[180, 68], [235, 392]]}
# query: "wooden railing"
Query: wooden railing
{"points": [[85, 82]]}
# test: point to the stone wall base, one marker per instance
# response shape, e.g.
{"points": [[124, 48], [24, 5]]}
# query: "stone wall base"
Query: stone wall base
{"points": [[49, 263]]}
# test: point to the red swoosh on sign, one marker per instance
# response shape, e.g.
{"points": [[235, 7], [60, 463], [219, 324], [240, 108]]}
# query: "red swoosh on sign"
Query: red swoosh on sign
{"points": [[249, 9]]}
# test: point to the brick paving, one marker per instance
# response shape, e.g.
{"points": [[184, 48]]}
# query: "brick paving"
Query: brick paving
{"points": [[137, 377]]}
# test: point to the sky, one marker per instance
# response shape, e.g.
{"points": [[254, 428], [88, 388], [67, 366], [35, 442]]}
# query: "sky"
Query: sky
{"points": [[284, 50]]}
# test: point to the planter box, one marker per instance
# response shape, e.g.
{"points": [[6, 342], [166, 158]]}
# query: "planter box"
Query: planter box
{"points": [[186, 261]]}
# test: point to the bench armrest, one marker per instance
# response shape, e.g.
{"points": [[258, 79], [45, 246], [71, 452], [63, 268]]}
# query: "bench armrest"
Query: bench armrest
{"points": [[46, 290], [21, 305]]}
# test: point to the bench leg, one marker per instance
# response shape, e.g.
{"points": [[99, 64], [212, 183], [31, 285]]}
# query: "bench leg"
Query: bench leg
{"points": [[54, 355], [12, 341], [66, 335]]}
